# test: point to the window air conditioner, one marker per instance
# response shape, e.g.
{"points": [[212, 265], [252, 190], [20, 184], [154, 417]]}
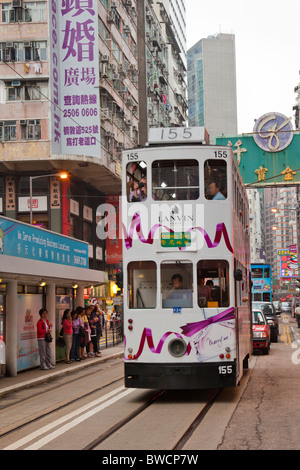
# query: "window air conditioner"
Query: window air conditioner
{"points": [[17, 3]]}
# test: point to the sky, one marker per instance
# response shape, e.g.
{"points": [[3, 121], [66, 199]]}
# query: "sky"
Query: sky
{"points": [[267, 49]]}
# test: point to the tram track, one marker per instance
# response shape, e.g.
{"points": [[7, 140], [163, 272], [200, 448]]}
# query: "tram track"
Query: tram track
{"points": [[181, 441], [56, 387], [155, 396]]}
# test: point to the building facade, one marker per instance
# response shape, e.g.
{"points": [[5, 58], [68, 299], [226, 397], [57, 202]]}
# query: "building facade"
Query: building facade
{"points": [[256, 219], [212, 100], [139, 83]]}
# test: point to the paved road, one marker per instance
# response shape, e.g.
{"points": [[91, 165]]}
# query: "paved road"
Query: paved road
{"points": [[268, 414]]}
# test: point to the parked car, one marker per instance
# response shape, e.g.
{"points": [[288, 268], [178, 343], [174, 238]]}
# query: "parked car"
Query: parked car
{"points": [[271, 315], [286, 307], [261, 331]]}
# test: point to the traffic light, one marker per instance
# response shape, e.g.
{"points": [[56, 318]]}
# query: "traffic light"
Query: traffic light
{"points": [[119, 278]]}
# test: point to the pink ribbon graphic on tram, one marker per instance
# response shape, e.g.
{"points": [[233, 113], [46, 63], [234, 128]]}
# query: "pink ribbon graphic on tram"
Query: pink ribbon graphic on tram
{"points": [[136, 224], [147, 336], [188, 330], [192, 328]]}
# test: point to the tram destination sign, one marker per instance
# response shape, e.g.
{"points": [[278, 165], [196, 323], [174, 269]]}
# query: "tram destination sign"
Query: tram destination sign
{"points": [[176, 239]]}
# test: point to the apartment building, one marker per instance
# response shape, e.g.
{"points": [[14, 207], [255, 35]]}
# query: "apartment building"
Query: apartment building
{"points": [[162, 70], [141, 84]]}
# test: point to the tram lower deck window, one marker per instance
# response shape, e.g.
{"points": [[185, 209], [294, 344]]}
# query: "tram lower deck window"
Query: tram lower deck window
{"points": [[213, 283], [142, 284], [177, 284]]}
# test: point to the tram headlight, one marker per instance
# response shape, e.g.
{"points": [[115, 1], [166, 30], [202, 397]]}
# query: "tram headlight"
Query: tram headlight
{"points": [[177, 347]]}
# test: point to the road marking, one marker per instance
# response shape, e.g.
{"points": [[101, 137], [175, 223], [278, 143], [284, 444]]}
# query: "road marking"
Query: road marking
{"points": [[84, 409], [285, 337]]}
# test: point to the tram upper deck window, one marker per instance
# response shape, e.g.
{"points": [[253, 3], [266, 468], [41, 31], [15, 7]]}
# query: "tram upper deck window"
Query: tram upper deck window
{"points": [[266, 272], [213, 283], [175, 180], [141, 284], [177, 284], [136, 173], [215, 177], [257, 273]]}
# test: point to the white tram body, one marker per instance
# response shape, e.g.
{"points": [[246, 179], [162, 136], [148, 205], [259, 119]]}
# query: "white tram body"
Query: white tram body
{"points": [[198, 335]]}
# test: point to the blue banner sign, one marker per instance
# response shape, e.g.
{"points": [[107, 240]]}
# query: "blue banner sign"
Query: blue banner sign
{"points": [[27, 241]]}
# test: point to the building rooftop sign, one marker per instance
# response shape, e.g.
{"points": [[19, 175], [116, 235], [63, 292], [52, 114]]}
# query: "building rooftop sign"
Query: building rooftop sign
{"points": [[33, 243], [270, 155]]}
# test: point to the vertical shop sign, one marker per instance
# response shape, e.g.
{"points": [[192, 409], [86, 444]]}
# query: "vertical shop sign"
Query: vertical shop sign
{"points": [[113, 245], [55, 192], [74, 77], [10, 193]]}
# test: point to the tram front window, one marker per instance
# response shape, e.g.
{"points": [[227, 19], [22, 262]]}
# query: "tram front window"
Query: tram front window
{"points": [[215, 176], [175, 180], [136, 173], [142, 284], [257, 273], [177, 284], [213, 283]]}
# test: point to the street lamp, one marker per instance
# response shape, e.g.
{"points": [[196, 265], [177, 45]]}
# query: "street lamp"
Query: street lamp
{"points": [[31, 178]]}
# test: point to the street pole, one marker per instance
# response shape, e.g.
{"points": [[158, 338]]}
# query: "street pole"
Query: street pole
{"points": [[30, 189]]}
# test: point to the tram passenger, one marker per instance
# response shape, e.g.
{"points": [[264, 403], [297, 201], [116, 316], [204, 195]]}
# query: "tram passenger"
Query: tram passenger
{"points": [[138, 191], [214, 190], [204, 293]]}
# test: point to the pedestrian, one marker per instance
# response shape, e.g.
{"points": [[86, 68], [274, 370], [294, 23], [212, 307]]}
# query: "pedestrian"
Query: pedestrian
{"points": [[90, 331], [95, 331], [76, 324], [112, 318], [84, 342], [297, 315], [43, 327], [68, 333]]}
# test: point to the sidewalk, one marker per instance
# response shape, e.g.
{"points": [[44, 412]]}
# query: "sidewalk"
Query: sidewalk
{"points": [[36, 376]]}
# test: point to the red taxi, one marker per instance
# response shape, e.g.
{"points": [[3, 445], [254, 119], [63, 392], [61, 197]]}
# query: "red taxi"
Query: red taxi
{"points": [[261, 332]]}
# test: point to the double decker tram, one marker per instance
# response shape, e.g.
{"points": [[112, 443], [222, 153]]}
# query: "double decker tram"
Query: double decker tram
{"points": [[186, 264]]}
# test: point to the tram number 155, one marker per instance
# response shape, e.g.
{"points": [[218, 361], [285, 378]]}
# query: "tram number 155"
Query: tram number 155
{"points": [[225, 370]]}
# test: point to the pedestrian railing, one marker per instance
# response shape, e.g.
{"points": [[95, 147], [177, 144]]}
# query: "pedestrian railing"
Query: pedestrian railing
{"points": [[112, 334]]}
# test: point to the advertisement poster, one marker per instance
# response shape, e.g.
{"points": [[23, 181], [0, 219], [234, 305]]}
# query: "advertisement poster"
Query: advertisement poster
{"points": [[113, 245], [28, 316], [74, 62], [31, 242]]}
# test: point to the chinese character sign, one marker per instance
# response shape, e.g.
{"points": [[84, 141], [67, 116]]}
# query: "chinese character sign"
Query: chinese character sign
{"points": [[74, 77]]}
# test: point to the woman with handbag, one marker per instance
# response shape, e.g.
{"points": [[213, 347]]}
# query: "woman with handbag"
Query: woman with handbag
{"points": [[43, 330], [67, 333]]}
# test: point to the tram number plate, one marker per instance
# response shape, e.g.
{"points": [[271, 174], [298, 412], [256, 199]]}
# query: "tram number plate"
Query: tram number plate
{"points": [[176, 309], [225, 370]]}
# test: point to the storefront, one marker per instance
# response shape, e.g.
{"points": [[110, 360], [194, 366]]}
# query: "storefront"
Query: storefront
{"points": [[38, 268]]}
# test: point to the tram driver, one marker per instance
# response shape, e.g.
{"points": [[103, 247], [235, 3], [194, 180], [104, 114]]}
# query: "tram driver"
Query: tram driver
{"points": [[177, 296]]}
